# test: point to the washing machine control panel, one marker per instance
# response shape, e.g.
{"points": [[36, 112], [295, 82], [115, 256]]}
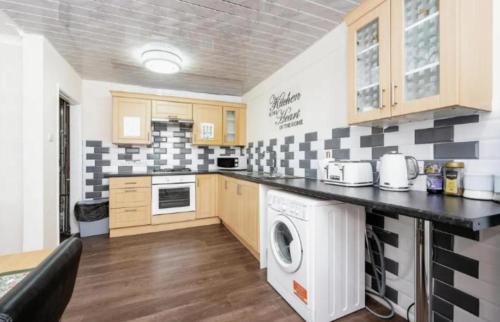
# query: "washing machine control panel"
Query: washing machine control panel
{"points": [[287, 207]]}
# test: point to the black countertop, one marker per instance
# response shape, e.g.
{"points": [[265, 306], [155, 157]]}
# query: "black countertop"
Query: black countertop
{"points": [[155, 174], [466, 213]]}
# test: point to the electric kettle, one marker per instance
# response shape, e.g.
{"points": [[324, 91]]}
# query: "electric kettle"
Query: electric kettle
{"points": [[396, 171]]}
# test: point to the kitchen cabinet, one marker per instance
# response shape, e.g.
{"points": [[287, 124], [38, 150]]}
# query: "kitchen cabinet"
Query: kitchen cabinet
{"points": [[167, 110], [369, 65], [131, 120], [227, 193], [233, 126], [214, 122], [413, 56], [207, 127], [206, 196], [248, 210], [222, 194], [129, 202], [239, 210]]}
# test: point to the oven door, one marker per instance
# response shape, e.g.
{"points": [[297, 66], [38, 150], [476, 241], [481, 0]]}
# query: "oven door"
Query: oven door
{"points": [[173, 198]]}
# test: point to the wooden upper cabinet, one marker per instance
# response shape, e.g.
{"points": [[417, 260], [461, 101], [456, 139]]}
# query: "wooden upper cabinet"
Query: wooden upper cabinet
{"points": [[369, 66], [242, 127], [207, 127], [163, 110], [131, 120], [233, 126], [440, 57]]}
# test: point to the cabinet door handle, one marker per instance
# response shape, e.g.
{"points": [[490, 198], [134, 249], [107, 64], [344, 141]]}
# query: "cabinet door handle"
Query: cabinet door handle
{"points": [[225, 184], [382, 92], [238, 190], [130, 190], [130, 182], [130, 210], [198, 183], [393, 94]]}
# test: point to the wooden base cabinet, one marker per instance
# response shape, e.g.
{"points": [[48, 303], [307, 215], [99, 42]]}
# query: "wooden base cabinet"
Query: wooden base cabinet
{"points": [[235, 202], [206, 196], [129, 202], [239, 211]]}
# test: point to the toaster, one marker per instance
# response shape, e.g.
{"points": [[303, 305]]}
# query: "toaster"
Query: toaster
{"points": [[349, 173]]}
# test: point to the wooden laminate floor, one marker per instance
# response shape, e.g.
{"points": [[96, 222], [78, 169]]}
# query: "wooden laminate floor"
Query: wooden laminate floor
{"points": [[197, 274]]}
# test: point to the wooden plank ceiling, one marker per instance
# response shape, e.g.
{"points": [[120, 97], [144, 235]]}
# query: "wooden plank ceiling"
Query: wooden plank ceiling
{"points": [[229, 45]]}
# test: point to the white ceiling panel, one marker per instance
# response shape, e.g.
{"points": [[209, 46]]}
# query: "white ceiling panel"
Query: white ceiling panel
{"points": [[228, 46]]}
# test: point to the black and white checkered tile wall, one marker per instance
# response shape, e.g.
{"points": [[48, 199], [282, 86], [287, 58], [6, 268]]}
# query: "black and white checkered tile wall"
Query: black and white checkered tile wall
{"points": [[466, 265], [171, 148], [443, 139]]}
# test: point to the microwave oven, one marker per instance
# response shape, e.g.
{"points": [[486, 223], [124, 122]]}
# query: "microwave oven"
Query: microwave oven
{"points": [[231, 163]]}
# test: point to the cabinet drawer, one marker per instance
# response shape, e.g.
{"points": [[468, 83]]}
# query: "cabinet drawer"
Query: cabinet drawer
{"points": [[129, 197], [129, 182], [127, 217]]}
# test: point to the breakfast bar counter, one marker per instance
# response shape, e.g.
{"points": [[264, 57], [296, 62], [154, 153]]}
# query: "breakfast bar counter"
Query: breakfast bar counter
{"points": [[465, 213]]}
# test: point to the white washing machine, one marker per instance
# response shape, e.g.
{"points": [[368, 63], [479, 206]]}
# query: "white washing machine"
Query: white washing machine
{"points": [[316, 255]]}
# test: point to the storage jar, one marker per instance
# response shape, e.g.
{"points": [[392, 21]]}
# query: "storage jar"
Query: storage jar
{"points": [[454, 178]]}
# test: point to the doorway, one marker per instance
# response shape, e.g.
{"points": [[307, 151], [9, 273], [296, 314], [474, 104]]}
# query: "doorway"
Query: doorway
{"points": [[64, 170]]}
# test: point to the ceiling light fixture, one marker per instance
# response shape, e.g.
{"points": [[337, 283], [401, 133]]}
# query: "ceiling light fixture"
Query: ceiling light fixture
{"points": [[161, 61]]}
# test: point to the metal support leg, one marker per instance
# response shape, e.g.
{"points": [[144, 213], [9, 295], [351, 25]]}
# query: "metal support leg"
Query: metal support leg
{"points": [[423, 270]]}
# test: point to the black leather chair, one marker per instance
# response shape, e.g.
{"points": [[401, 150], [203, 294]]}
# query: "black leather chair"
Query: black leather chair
{"points": [[42, 296]]}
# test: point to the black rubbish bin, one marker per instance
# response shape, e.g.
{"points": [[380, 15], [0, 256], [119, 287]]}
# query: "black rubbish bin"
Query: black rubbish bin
{"points": [[92, 216]]}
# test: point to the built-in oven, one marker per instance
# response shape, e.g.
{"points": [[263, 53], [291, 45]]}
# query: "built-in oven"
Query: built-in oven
{"points": [[173, 194]]}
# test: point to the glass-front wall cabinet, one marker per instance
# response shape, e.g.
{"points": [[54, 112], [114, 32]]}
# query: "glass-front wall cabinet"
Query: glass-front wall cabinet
{"points": [[419, 74], [234, 126], [421, 34], [367, 67], [410, 56], [230, 119], [369, 64]]}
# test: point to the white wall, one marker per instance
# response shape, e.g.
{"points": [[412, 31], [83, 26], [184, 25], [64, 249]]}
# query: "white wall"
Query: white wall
{"points": [[96, 110], [319, 75], [32, 124], [58, 77], [44, 73], [11, 219]]}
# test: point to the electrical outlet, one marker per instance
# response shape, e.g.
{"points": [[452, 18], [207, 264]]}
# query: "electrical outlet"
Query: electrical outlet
{"points": [[328, 154]]}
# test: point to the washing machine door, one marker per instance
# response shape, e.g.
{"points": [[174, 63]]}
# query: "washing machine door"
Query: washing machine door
{"points": [[285, 244]]}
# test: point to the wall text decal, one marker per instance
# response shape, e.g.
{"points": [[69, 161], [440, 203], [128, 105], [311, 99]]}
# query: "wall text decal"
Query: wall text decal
{"points": [[283, 108]]}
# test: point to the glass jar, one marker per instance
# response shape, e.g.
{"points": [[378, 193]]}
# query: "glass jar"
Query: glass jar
{"points": [[434, 178], [454, 178]]}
